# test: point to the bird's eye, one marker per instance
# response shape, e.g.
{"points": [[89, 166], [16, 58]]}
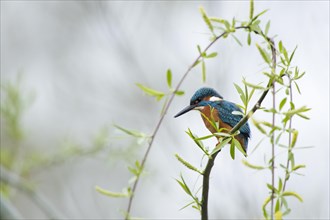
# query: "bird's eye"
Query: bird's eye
{"points": [[198, 100]]}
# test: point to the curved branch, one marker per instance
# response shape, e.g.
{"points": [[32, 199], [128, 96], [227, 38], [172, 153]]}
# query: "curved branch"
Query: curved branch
{"points": [[210, 163], [145, 157]]}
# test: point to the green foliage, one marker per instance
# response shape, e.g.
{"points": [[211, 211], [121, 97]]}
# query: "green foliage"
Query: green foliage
{"points": [[195, 203], [187, 164]]}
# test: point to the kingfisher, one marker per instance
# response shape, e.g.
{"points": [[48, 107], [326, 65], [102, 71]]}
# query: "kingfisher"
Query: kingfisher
{"points": [[214, 108]]}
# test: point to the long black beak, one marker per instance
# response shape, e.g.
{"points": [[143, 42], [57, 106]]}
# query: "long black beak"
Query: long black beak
{"points": [[185, 110]]}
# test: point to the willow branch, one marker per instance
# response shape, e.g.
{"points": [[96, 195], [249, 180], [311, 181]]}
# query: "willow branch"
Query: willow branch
{"points": [[145, 157], [210, 163]]}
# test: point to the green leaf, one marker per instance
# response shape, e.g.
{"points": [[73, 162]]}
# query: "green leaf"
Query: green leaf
{"points": [[184, 186], [282, 103], [203, 72], [197, 142], [258, 15], [239, 147], [280, 46], [256, 167], [206, 19], [220, 145], [298, 167], [251, 9], [292, 54], [253, 85], [257, 124], [289, 193], [169, 78], [187, 164], [131, 132], [264, 54], [280, 184], [294, 138], [232, 150], [179, 92], [157, 94], [110, 193], [237, 40], [277, 205], [297, 87], [249, 39], [267, 200], [278, 214], [267, 28], [241, 93], [199, 49], [211, 55]]}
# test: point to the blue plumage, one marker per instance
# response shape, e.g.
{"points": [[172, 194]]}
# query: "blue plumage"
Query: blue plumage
{"points": [[206, 99]]}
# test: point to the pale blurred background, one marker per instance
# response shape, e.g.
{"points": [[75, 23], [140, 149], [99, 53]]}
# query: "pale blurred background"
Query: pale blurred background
{"points": [[80, 60]]}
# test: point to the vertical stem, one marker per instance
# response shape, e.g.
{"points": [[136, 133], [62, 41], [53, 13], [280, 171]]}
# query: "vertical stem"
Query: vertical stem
{"points": [[273, 49], [290, 137], [273, 154], [206, 183]]}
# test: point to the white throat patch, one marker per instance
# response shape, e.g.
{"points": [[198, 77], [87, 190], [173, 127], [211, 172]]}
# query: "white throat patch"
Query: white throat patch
{"points": [[214, 99]]}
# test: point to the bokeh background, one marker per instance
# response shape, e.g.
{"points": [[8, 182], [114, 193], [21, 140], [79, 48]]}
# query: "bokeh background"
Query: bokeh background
{"points": [[77, 63]]}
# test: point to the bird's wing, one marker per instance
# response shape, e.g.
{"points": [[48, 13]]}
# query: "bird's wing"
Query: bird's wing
{"points": [[226, 109]]}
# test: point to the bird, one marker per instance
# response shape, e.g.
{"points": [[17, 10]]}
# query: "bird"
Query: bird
{"points": [[214, 108]]}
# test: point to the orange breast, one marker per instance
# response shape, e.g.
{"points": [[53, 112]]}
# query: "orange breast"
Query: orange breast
{"points": [[210, 114]]}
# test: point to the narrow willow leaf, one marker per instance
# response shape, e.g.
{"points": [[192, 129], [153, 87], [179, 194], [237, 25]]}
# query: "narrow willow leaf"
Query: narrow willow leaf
{"points": [[239, 147], [297, 87], [249, 39], [157, 94], [294, 138], [205, 137], [278, 214], [289, 193], [257, 124], [179, 92], [253, 85], [251, 9], [292, 54], [256, 167], [280, 184], [282, 103], [110, 193], [258, 15], [298, 167], [211, 55], [203, 72], [277, 205], [267, 28], [206, 19], [187, 164], [280, 46], [232, 150], [189, 204], [184, 187], [264, 54], [240, 92], [131, 132], [220, 145], [199, 49], [169, 78], [267, 200]]}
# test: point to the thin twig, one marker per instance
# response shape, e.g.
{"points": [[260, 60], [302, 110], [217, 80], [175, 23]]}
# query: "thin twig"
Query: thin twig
{"points": [[210, 163], [272, 138], [162, 117]]}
